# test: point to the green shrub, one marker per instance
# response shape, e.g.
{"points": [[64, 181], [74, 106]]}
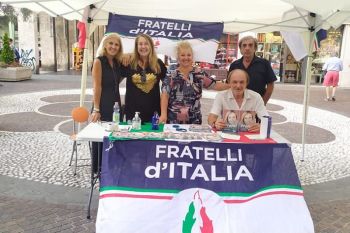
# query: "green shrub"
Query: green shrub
{"points": [[7, 56]]}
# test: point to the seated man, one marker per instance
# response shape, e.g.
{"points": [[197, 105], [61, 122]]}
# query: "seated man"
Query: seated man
{"points": [[237, 99]]}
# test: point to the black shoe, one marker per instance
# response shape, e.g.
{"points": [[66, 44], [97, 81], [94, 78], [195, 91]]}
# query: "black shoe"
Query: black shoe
{"points": [[333, 98]]}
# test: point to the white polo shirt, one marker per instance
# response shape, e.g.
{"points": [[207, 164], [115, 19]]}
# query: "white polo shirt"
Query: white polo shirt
{"points": [[334, 64], [252, 101]]}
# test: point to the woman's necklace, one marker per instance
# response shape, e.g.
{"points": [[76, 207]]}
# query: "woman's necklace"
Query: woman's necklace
{"points": [[142, 65], [185, 73], [115, 76]]}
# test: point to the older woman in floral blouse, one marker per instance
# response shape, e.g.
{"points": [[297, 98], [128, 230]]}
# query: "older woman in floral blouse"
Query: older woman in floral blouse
{"points": [[183, 88]]}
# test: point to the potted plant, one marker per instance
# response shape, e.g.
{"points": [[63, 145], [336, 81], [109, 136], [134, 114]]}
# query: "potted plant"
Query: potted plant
{"points": [[10, 70]]}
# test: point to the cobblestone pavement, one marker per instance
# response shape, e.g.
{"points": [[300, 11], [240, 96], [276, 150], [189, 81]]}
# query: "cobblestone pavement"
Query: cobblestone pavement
{"points": [[38, 192], [21, 215], [331, 217]]}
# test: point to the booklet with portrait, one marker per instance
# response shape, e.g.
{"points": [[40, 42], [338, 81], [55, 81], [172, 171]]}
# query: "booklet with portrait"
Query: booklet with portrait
{"points": [[238, 120]]}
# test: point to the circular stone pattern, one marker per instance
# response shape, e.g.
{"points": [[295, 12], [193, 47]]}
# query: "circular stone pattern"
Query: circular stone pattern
{"points": [[277, 118], [63, 98], [292, 131], [274, 107]]}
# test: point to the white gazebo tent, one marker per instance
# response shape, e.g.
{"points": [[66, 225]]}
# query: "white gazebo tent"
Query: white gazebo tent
{"points": [[238, 16]]}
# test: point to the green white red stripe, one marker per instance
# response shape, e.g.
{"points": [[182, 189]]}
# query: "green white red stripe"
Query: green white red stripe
{"points": [[229, 198]]}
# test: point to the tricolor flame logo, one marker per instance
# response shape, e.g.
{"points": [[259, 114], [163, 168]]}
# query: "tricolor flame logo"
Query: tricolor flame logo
{"points": [[190, 219]]}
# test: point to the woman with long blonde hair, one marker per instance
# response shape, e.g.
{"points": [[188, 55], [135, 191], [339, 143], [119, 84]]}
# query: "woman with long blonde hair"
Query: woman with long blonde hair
{"points": [[106, 75], [143, 77]]}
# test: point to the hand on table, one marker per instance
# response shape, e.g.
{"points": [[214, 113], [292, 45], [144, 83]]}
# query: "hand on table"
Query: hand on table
{"points": [[162, 119], [95, 116]]}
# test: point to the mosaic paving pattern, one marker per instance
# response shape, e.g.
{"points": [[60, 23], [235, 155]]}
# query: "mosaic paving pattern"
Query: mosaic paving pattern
{"points": [[42, 153], [322, 161]]}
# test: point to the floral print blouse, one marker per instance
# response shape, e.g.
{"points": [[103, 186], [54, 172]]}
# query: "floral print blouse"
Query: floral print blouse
{"points": [[184, 96]]}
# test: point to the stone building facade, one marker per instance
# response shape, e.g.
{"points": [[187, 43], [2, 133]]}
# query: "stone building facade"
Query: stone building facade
{"points": [[49, 42]]}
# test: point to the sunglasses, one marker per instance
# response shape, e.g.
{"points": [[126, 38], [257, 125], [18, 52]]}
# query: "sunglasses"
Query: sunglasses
{"points": [[143, 76], [178, 128]]}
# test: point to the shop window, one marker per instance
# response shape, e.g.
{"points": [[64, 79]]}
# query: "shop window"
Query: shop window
{"points": [[270, 47]]}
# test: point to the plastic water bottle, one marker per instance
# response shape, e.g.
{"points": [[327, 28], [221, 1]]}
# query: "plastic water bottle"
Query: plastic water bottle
{"points": [[136, 121], [155, 121], [116, 115]]}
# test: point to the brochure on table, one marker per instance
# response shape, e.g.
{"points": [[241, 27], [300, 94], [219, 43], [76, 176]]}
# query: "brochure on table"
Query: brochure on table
{"points": [[185, 132]]}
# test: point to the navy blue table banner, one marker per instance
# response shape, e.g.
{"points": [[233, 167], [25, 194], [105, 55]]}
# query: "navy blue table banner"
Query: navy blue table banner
{"points": [[167, 186]]}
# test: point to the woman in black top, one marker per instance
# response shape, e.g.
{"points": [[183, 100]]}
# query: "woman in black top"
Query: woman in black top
{"points": [[143, 76], [106, 78]]}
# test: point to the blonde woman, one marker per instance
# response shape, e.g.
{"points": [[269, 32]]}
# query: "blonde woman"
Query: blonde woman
{"points": [[231, 119], [183, 88], [106, 78], [248, 120], [143, 76]]}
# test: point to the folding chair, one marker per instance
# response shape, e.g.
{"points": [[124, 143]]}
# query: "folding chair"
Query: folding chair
{"points": [[79, 115]]}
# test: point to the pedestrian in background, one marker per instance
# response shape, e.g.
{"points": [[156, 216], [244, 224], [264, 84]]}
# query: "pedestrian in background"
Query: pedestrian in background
{"points": [[15, 51], [332, 66]]}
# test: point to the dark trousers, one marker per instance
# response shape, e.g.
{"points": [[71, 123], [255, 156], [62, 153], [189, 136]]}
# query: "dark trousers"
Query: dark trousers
{"points": [[95, 147]]}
